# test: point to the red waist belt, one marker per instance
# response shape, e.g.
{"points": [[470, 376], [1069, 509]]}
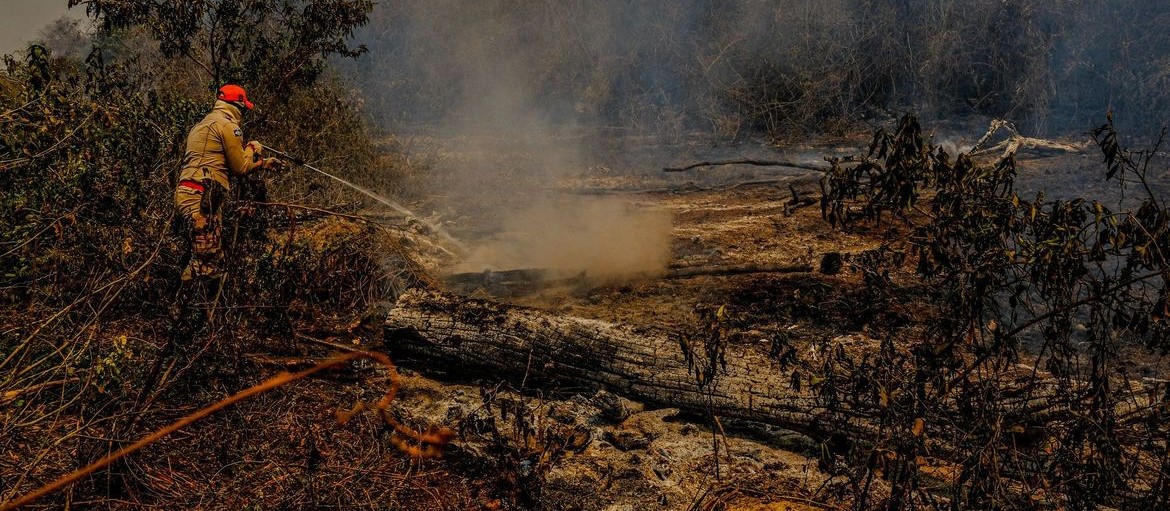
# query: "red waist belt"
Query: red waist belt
{"points": [[194, 185]]}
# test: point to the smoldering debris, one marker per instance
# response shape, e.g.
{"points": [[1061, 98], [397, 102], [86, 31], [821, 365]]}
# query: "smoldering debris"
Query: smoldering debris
{"points": [[606, 238]]}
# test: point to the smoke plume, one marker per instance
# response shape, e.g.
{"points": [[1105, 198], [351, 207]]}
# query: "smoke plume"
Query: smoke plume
{"points": [[520, 92]]}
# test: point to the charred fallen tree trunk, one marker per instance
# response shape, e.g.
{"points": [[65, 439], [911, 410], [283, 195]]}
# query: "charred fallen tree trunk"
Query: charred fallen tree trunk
{"points": [[1022, 422], [748, 161], [683, 272], [1015, 143], [650, 366], [665, 369], [530, 280]]}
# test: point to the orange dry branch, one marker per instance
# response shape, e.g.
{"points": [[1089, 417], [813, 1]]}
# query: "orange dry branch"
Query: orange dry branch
{"points": [[429, 443]]}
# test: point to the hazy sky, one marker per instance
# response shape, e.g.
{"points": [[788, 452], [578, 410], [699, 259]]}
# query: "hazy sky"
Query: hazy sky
{"points": [[22, 20]]}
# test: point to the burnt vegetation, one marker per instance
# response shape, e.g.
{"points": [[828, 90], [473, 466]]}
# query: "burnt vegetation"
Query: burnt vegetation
{"points": [[1048, 301], [1012, 342]]}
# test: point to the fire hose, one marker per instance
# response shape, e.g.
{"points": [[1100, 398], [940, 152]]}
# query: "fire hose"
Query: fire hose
{"points": [[387, 202]]}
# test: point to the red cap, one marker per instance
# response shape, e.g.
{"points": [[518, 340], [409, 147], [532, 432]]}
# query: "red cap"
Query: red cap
{"points": [[234, 94]]}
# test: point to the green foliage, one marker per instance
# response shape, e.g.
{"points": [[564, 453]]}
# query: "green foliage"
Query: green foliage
{"points": [[84, 160], [271, 45], [278, 50], [337, 140]]}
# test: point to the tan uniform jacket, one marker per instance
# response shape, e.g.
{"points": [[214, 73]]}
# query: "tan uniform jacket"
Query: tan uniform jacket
{"points": [[215, 147]]}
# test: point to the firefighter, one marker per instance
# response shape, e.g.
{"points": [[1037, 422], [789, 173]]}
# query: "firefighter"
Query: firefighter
{"points": [[215, 150]]}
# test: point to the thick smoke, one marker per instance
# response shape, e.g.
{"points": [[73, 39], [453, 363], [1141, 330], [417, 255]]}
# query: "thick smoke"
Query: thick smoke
{"points": [[608, 239], [508, 90], [521, 92]]}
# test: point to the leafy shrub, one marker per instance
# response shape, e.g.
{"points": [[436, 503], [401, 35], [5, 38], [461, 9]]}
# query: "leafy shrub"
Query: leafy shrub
{"points": [[1069, 287]]}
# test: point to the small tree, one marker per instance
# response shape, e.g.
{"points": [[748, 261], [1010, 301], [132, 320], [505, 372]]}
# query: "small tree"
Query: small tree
{"points": [[271, 45]]}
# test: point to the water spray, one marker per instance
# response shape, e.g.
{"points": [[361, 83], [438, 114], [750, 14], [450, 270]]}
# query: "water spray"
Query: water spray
{"points": [[383, 200]]}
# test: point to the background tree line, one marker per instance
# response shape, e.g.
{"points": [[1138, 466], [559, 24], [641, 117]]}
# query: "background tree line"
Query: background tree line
{"points": [[784, 67]]}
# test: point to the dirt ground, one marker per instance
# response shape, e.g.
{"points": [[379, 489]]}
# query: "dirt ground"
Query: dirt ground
{"points": [[731, 216], [719, 217]]}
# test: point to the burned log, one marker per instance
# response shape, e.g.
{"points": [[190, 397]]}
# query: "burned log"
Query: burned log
{"points": [[654, 367], [748, 161], [683, 272], [516, 282], [663, 369], [1017, 142], [524, 281]]}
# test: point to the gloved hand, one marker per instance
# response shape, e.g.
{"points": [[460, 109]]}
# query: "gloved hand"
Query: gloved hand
{"points": [[256, 147], [272, 164]]}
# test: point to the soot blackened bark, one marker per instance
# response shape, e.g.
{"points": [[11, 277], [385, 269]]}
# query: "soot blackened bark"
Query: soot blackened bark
{"points": [[647, 366]]}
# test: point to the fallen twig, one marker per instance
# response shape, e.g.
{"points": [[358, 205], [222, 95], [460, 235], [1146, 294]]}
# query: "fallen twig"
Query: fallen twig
{"points": [[328, 344], [738, 269], [1015, 142], [9, 396], [762, 163], [270, 384]]}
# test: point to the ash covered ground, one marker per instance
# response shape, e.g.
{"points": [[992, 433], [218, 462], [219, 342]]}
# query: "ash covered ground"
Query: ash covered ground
{"points": [[592, 210]]}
